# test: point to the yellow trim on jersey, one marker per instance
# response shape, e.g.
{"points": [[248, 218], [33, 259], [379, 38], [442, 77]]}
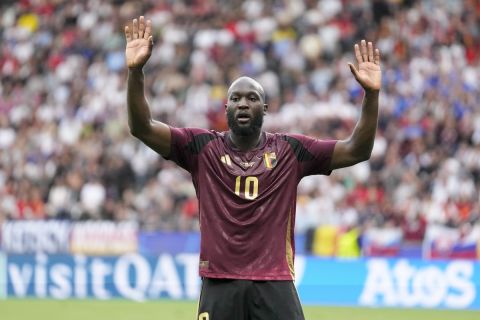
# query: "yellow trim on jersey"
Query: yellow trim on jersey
{"points": [[289, 249]]}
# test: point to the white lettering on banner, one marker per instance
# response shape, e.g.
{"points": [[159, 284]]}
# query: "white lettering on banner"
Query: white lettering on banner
{"points": [[61, 275], [41, 276], [403, 272], [379, 282], [35, 236], [166, 278], [192, 282], [99, 271], [104, 237], [20, 277], [429, 286], [134, 291], [408, 286], [80, 277], [459, 275], [130, 276]]}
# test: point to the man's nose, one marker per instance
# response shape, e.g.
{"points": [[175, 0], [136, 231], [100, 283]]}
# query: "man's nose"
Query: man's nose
{"points": [[243, 103]]}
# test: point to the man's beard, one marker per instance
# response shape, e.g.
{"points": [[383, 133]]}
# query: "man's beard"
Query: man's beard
{"points": [[254, 127]]}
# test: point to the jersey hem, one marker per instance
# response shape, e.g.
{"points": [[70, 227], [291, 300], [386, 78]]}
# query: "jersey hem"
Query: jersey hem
{"points": [[244, 277]]}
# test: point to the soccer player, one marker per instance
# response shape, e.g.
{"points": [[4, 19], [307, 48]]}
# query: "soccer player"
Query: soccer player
{"points": [[246, 181]]}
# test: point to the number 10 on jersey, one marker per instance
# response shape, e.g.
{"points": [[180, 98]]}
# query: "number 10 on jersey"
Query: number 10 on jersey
{"points": [[250, 189]]}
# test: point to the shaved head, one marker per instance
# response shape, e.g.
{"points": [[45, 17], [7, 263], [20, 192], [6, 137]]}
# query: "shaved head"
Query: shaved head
{"points": [[245, 107], [249, 82]]}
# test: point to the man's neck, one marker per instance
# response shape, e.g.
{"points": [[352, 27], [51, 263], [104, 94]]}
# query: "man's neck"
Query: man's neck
{"points": [[245, 143]]}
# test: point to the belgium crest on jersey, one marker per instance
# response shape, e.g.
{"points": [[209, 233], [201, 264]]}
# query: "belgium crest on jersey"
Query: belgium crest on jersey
{"points": [[270, 160]]}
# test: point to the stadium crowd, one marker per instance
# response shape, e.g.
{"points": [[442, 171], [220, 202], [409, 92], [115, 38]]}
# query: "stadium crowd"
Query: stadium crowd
{"points": [[66, 151]]}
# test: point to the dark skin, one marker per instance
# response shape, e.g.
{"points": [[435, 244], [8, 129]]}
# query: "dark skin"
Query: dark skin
{"points": [[246, 102], [246, 106]]}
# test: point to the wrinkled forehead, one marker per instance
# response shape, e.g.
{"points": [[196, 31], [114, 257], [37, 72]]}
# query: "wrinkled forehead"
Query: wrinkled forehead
{"points": [[246, 85]]}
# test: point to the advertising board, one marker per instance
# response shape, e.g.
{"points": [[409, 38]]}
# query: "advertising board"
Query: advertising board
{"points": [[35, 236], [3, 276], [361, 282]]}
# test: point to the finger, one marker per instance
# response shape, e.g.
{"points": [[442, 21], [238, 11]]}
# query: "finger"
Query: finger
{"points": [[357, 54], [363, 48], [148, 29], [377, 56], [128, 34], [150, 43], [141, 27], [370, 52], [135, 29], [354, 71]]}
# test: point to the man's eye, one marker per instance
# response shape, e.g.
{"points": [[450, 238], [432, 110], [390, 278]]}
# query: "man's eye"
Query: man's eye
{"points": [[253, 99], [234, 99]]}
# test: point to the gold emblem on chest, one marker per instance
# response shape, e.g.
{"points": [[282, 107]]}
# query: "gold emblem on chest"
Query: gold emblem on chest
{"points": [[270, 160]]}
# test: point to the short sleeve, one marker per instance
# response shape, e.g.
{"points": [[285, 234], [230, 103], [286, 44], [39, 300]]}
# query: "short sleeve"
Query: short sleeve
{"points": [[313, 155], [186, 144]]}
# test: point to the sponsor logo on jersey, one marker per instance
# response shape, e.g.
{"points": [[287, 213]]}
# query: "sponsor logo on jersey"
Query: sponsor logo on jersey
{"points": [[226, 160], [247, 164]]}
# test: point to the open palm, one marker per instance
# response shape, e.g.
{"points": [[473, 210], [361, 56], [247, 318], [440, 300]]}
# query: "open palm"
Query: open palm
{"points": [[139, 43], [368, 74]]}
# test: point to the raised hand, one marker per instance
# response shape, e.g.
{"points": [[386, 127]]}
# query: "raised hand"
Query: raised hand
{"points": [[368, 74], [139, 43]]}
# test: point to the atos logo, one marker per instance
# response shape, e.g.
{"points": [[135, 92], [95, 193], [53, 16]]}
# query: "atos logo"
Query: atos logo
{"points": [[405, 285]]}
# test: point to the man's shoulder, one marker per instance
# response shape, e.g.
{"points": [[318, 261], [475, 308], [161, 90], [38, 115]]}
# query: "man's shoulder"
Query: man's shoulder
{"points": [[282, 136], [194, 131], [195, 139]]}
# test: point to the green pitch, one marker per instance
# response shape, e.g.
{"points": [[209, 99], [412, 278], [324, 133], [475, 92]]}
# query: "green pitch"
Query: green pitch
{"points": [[185, 310]]}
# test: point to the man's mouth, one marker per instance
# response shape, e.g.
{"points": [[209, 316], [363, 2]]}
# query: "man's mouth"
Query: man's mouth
{"points": [[243, 118]]}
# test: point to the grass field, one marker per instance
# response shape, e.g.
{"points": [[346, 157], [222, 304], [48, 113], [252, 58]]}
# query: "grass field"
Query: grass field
{"points": [[185, 310]]}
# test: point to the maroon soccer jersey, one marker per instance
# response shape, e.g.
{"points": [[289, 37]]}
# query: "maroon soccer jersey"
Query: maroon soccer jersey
{"points": [[247, 199]]}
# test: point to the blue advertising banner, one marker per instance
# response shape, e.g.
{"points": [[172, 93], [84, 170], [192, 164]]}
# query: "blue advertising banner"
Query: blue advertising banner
{"points": [[391, 283], [158, 242], [129, 276], [3, 276], [153, 243], [362, 282]]}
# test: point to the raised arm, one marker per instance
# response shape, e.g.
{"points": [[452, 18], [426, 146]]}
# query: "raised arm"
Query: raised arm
{"points": [[358, 147], [153, 133]]}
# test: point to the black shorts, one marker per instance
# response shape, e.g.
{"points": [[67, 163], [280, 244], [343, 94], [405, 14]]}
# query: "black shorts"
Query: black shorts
{"points": [[227, 299]]}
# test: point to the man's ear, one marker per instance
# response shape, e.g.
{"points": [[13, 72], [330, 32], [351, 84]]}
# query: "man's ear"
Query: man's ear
{"points": [[225, 108], [265, 108]]}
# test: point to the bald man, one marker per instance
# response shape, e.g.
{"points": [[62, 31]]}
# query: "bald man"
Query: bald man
{"points": [[246, 182]]}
